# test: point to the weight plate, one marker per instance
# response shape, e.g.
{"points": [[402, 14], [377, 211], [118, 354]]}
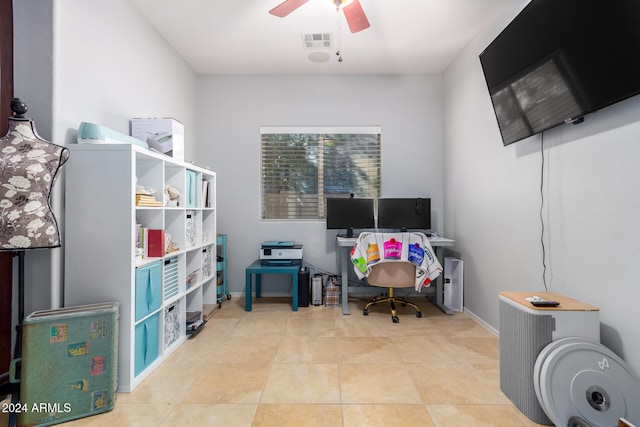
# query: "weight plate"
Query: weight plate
{"points": [[597, 399], [543, 396], [542, 356], [588, 380]]}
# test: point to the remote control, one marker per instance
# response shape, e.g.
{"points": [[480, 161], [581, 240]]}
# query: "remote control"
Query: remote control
{"points": [[545, 303]]}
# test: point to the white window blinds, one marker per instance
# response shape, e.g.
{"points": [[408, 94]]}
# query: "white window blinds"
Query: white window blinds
{"points": [[301, 167]]}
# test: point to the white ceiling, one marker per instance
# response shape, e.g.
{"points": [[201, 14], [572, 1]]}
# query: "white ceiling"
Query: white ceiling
{"points": [[241, 37]]}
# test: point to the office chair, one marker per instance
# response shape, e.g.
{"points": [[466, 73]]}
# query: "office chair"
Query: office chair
{"points": [[393, 274]]}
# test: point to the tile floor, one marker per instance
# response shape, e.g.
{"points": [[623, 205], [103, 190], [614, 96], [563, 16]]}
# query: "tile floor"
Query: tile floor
{"points": [[317, 367]]}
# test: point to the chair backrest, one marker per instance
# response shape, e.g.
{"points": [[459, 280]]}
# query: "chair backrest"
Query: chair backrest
{"points": [[393, 274]]}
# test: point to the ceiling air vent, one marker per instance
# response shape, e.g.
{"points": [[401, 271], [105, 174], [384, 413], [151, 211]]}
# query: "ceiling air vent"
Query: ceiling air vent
{"points": [[316, 41]]}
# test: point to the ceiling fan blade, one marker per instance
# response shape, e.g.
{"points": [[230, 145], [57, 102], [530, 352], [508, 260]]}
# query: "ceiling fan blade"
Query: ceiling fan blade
{"points": [[286, 7], [355, 16]]}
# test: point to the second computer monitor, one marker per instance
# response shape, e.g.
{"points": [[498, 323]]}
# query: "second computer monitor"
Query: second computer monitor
{"points": [[404, 213]]}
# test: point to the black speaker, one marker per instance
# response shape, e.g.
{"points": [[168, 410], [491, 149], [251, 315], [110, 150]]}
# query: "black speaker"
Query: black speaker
{"points": [[303, 287]]}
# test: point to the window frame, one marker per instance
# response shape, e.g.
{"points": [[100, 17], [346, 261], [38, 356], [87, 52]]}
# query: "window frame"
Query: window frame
{"points": [[317, 130]]}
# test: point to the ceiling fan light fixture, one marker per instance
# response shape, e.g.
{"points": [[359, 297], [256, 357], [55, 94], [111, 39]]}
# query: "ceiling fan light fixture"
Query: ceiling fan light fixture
{"points": [[341, 3], [318, 56]]}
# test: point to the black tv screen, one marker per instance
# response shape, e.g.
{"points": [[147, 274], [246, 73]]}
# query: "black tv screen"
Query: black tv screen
{"points": [[349, 213], [404, 214], [559, 60]]}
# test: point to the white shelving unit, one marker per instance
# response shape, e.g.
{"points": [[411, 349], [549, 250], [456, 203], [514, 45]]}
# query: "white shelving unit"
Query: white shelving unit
{"points": [[99, 242]]}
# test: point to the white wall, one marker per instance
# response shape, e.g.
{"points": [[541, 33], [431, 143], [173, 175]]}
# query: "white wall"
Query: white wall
{"points": [[231, 110], [95, 61], [592, 204]]}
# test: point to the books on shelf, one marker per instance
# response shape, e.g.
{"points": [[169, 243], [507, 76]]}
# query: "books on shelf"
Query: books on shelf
{"points": [[205, 194], [147, 200], [151, 242]]}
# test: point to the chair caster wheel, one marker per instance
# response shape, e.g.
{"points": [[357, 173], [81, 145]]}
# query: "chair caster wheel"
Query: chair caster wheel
{"points": [[418, 314], [228, 296], [219, 304], [395, 319], [365, 312]]}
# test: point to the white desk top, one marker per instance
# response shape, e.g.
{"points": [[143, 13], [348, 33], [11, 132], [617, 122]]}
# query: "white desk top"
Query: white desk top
{"points": [[438, 241]]}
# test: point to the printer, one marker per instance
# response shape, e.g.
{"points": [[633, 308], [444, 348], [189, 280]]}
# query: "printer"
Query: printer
{"points": [[280, 253]]}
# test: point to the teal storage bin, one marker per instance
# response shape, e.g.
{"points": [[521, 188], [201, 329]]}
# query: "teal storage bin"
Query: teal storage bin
{"points": [[146, 343], [192, 189], [148, 289]]}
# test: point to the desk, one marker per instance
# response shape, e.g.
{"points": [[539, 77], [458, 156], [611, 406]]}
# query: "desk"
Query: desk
{"points": [[346, 243], [258, 269]]}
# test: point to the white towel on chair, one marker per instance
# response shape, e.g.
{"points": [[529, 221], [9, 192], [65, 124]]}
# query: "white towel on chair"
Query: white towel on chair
{"points": [[371, 248]]}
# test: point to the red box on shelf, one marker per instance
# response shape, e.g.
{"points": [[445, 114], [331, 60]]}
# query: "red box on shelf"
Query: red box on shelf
{"points": [[155, 243]]}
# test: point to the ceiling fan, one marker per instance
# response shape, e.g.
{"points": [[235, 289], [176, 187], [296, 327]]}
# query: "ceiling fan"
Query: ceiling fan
{"points": [[352, 9]]}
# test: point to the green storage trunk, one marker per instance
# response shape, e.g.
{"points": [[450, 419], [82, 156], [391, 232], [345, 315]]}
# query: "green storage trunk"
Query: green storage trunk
{"points": [[69, 363]]}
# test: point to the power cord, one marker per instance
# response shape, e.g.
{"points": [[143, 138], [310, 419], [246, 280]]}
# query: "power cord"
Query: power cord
{"points": [[319, 270], [544, 254]]}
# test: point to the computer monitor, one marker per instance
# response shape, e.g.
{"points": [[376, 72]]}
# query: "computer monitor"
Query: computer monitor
{"points": [[349, 213], [404, 214]]}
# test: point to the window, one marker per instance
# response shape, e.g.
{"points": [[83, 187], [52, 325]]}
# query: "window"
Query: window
{"points": [[301, 167]]}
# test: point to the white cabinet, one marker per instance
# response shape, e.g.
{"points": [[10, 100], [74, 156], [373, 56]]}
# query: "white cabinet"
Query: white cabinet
{"points": [[157, 295]]}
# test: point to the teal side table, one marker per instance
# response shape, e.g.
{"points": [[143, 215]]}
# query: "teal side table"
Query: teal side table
{"points": [[256, 269]]}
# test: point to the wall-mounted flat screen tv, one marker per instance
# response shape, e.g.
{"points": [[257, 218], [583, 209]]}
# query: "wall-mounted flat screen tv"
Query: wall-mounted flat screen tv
{"points": [[559, 60]]}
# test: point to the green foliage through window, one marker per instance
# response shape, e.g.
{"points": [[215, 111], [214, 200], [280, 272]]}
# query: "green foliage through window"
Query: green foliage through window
{"points": [[301, 168]]}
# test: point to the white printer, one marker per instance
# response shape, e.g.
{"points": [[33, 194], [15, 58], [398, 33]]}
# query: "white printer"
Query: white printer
{"points": [[280, 253]]}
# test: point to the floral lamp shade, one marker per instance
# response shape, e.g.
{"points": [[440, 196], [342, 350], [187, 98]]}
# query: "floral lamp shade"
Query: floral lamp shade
{"points": [[29, 166]]}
